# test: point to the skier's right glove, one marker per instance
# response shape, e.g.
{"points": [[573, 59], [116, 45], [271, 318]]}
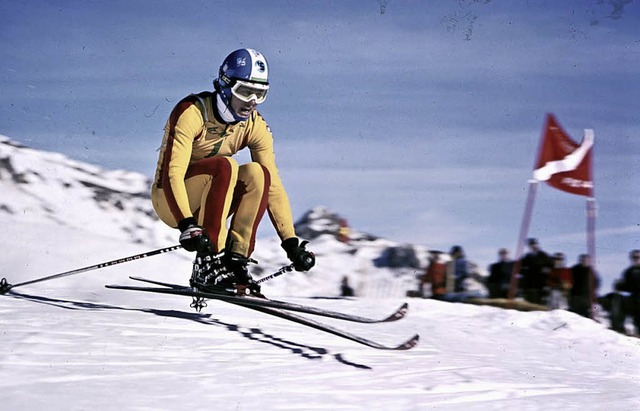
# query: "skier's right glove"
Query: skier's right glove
{"points": [[302, 259], [193, 237]]}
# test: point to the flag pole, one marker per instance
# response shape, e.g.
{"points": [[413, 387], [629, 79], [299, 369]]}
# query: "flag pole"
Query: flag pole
{"points": [[591, 230], [528, 212], [591, 249], [524, 230]]}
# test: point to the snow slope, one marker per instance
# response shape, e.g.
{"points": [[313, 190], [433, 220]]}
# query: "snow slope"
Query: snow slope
{"points": [[71, 344]]}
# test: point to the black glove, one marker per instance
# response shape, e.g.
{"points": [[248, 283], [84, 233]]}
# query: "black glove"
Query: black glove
{"points": [[301, 258], [193, 237]]}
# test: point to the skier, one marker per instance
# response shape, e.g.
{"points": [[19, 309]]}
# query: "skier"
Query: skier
{"points": [[198, 185]]}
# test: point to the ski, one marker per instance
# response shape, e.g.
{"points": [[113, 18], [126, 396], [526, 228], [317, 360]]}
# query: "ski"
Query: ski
{"points": [[176, 289], [267, 309], [407, 345]]}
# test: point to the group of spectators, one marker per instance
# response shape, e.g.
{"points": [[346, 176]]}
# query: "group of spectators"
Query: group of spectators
{"points": [[449, 275], [539, 278], [545, 279]]}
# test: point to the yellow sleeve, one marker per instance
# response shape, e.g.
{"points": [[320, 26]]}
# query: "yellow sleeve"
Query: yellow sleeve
{"points": [[184, 126], [262, 152]]}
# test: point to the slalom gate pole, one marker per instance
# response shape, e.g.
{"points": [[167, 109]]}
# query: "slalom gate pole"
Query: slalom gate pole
{"points": [[591, 249], [524, 230], [285, 269], [5, 286]]}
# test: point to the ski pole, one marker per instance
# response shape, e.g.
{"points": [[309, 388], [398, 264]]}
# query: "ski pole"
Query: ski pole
{"points": [[5, 286], [278, 273]]}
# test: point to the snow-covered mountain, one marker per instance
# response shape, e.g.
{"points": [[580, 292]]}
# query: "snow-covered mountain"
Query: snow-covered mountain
{"points": [[42, 186]]}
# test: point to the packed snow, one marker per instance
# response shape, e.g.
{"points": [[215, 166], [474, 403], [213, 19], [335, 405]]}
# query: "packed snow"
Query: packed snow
{"points": [[71, 344]]}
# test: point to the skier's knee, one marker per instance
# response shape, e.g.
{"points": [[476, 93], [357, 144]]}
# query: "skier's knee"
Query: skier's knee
{"points": [[253, 171]]}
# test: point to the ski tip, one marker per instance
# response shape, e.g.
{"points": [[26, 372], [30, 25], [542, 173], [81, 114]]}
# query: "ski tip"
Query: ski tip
{"points": [[409, 344], [400, 313]]}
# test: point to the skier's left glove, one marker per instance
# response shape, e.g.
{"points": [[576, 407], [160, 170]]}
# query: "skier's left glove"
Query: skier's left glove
{"points": [[193, 237], [302, 259]]}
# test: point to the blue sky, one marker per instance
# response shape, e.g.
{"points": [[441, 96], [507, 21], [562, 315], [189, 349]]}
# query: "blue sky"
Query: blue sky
{"points": [[418, 121]]}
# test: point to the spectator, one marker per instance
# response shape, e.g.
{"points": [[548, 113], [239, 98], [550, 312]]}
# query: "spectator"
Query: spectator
{"points": [[615, 304], [559, 283], [630, 283], [457, 269], [500, 275], [345, 289], [436, 275], [585, 282], [534, 269]]}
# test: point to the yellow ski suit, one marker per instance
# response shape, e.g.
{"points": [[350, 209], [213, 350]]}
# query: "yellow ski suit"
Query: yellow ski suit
{"points": [[197, 177]]}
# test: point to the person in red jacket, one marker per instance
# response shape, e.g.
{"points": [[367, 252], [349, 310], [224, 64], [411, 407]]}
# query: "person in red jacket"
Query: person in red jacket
{"points": [[436, 275], [198, 185]]}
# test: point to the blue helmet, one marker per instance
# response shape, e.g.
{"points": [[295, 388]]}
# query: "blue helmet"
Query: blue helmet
{"points": [[246, 66]]}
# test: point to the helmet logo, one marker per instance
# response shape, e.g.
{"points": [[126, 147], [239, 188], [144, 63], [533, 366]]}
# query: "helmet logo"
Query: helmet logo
{"points": [[241, 61], [261, 66]]}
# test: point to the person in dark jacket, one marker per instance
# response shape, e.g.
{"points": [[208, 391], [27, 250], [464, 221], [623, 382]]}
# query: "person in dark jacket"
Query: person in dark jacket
{"points": [[585, 282], [615, 303], [534, 269], [345, 288], [458, 269], [630, 283], [500, 275]]}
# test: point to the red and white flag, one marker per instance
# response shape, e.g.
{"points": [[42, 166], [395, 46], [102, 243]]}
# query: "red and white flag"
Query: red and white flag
{"points": [[563, 163]]}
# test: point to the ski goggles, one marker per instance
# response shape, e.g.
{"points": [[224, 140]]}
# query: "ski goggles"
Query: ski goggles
{"points": [[247, 91]]}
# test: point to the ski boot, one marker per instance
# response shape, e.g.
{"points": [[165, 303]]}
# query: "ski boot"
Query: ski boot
{"points": [[244, 284], [211, 275]]}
